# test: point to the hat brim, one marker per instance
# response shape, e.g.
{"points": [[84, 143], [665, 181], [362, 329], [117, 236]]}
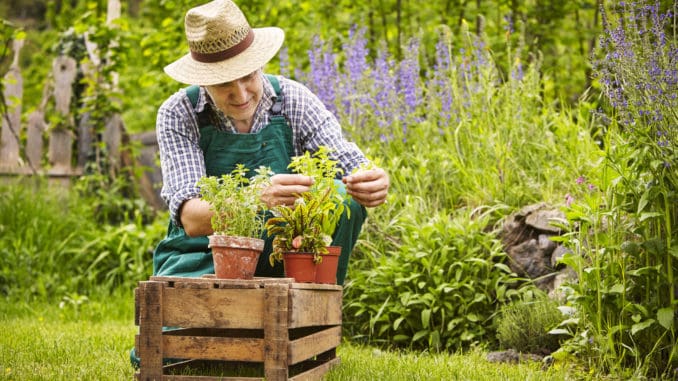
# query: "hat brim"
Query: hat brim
{"points": [[266, 43]]}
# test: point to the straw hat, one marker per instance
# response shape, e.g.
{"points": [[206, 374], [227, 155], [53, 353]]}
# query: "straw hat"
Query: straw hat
{"points": [[223, 46]]}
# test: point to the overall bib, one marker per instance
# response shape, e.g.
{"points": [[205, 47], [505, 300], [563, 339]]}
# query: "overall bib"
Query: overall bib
{"points": [[180, 255]]}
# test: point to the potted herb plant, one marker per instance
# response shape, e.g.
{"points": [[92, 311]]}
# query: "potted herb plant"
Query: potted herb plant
{"points": [[303, 232], [237, 220]]}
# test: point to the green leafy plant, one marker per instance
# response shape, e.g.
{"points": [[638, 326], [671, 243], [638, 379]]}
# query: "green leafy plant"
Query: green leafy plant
{"points": [[525, 324], [235, 201], [307, 227], [439, 290]]}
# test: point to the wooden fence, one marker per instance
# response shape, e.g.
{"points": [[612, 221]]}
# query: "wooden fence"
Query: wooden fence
{"points": [[67, 149]]}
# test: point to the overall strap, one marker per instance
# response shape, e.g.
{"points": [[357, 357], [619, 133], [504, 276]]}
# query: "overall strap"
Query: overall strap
{"points": [[276, 109], [192, 92]]}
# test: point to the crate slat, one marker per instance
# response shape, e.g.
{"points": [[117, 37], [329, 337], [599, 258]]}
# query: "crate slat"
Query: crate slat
{"points": [[213, 308], [316, 373], [314, 307], [213, 348], [312, 345]]}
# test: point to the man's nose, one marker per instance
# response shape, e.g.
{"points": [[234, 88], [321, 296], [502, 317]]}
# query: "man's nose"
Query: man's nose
{"points": [[240, 90]]}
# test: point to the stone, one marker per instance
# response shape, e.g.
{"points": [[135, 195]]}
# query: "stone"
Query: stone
{"points": [[527, 236]]}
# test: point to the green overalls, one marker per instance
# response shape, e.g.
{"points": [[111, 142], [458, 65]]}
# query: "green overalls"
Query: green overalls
{"points": [[181, 255]]}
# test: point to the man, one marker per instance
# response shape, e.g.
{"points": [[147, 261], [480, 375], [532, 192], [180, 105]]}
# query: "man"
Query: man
{"points": [[236, 114]]}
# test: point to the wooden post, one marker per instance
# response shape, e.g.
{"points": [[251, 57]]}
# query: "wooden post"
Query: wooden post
{"points": [[112, 137], [11, 122], [150, 330], [85, 140], [112, 11], [34, 145], [61, 139], [276, 334]]}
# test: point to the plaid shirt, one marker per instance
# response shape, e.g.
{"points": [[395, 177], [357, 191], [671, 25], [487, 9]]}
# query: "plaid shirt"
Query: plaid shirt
{"points": [[178, 133]]}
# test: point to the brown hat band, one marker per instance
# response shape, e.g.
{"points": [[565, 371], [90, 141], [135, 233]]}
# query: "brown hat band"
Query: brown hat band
{"points": [[224, 54]]}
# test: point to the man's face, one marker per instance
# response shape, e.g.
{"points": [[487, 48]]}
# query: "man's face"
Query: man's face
{"points": [[238, 99]]}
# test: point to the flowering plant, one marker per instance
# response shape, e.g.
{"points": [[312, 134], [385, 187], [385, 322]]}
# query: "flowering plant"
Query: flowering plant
{"points": [[637, 72], [307, 227], [626, 232], [235, 201]]}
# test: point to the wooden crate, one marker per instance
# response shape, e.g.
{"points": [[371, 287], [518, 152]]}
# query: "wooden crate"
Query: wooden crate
{"points": [[272, 327]]}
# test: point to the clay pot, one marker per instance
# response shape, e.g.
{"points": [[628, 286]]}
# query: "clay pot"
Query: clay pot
{"points": [[300, 266], [326, 271], [235, 257]]}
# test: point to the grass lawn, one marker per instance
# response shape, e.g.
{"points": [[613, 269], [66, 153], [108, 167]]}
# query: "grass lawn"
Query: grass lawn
{"points": [[88, 339]]}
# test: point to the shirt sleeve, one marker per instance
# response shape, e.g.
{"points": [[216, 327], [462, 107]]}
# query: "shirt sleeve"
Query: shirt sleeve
{"points": [[313, 125], [181, 159]]}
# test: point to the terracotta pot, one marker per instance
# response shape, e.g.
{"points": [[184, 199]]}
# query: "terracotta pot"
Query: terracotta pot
{"points": [[235, 257], [326, 271], [300, 266]]}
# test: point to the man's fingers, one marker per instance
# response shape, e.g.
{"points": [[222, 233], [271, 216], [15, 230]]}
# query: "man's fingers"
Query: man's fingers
{"points": [[285, 188], [365, 176], [369, 199], [291, 179]]}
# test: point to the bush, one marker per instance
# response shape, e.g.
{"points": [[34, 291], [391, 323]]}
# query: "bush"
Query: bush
{"points": [[438, 290], [524, 325]]}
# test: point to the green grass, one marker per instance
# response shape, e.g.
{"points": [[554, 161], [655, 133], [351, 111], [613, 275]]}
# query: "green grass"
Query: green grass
{"points": [[90, 340], [86, 341], [366, 363]]}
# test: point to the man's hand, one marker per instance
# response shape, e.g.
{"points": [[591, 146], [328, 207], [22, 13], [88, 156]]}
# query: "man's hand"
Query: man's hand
{"points": [[285, 188], [368, 187]]}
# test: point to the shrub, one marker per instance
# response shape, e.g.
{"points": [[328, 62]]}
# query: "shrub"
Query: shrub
{"points": [[439, 289], [524, 325]]}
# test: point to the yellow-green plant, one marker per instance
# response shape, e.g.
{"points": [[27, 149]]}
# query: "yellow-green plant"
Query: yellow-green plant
{"points": [[235, 201], [307, 227]]}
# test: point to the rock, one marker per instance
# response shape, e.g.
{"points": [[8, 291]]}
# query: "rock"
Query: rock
{"points": [[566, 275], [527, 239], [512, 356], [558, 253], [527, 259], [543, 220], [546, 244]]}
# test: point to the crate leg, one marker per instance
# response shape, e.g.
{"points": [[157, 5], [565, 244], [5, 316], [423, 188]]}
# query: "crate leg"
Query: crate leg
{"points": [[276, 334], [150, 331]]}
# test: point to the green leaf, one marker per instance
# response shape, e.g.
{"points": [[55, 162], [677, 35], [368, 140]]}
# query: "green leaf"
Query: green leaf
{"points": [[645, 216], [642, 202], [397, 323], [401, 338], [665, 317], [420, 334], [641, 326], [559, 331], [425, 317], [618, 288], [674, 251]]}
